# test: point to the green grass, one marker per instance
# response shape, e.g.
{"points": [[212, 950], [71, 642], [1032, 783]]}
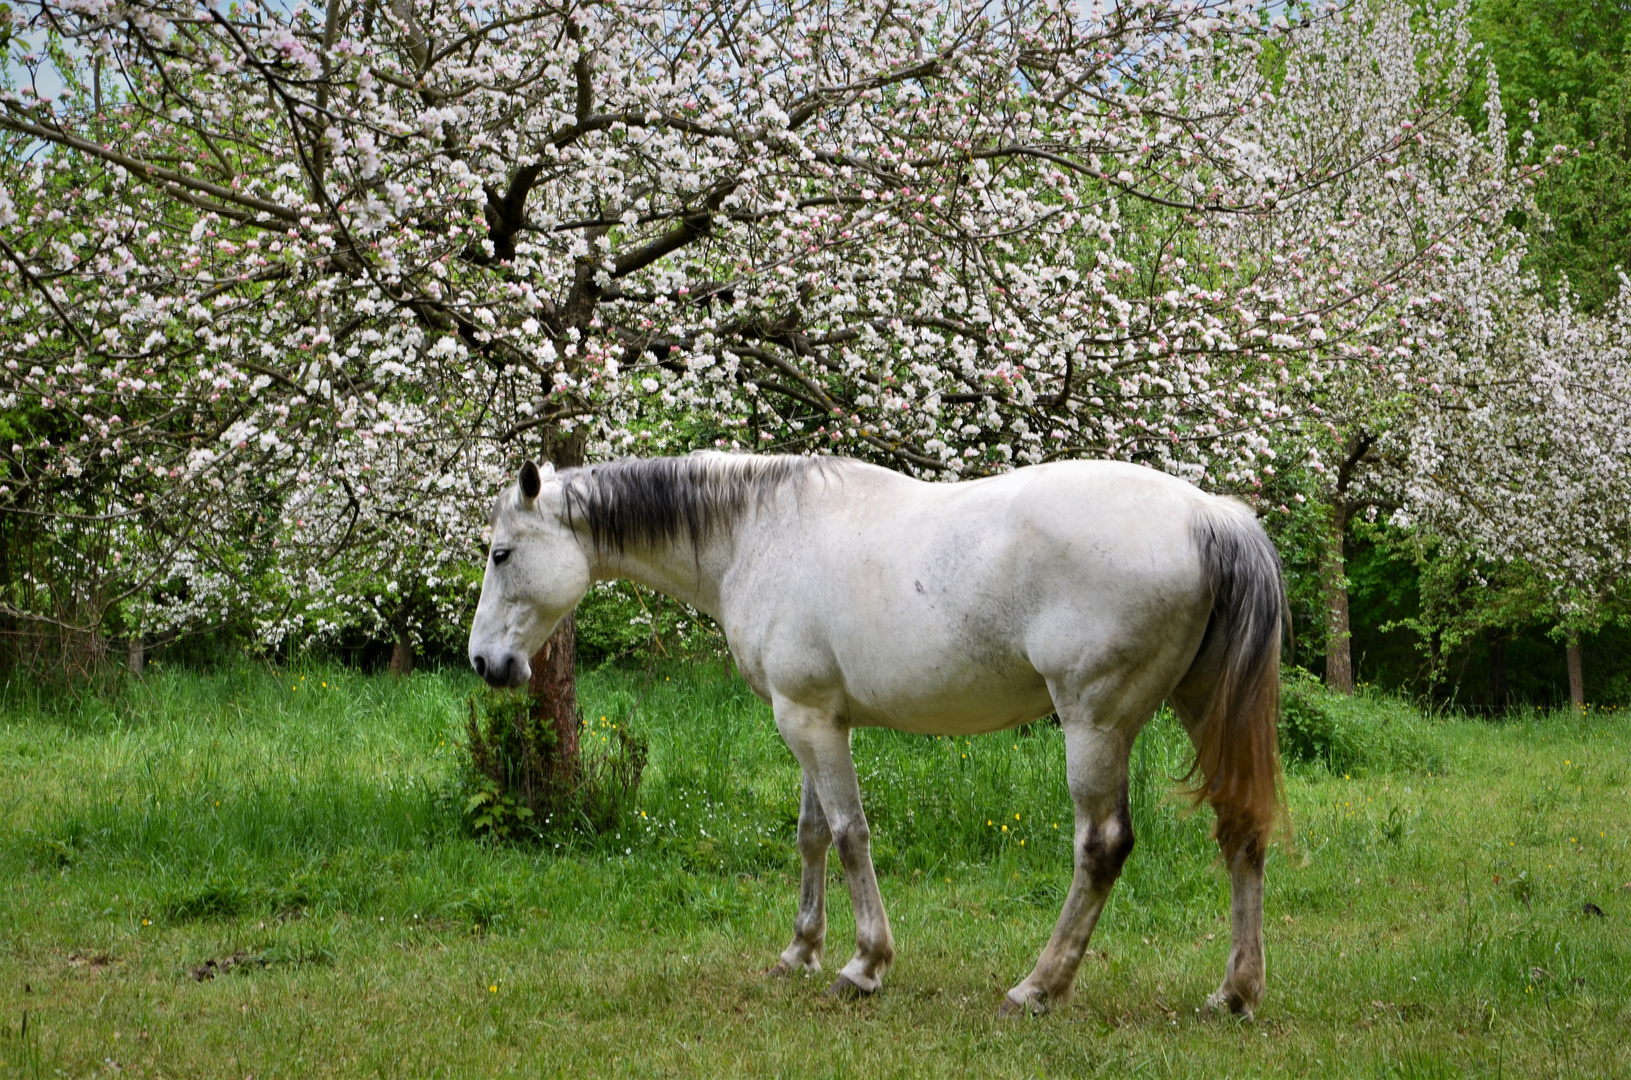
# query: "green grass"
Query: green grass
{"points": [[1427, 921]]}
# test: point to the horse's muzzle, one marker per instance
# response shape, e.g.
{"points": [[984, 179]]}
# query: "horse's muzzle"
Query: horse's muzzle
{"points": [[511, 669]]}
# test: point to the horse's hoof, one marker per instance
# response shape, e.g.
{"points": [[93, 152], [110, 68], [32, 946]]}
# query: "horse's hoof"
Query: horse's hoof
{"points": [[843, 989], [784, 967], [1034, 1004], [1227, 1001]]}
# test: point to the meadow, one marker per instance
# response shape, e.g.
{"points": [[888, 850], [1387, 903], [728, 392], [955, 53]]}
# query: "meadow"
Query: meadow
{"points": [[265, 872]]}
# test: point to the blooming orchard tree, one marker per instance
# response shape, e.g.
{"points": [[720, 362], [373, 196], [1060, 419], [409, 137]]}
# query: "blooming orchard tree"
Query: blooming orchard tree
{"points": [[1534, 469], [283, 283], [1394, 232], [1548, 421]]}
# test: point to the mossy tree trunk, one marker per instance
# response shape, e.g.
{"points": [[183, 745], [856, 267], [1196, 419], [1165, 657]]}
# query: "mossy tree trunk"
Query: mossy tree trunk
{"points": [[1339, 675], [1577, 676], [554, 691], [1339, 671], [402, 652], [554, 683]]}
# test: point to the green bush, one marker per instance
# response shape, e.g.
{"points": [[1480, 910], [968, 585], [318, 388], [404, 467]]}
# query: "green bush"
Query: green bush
{"points": [[1366, 733], [518, 786]]}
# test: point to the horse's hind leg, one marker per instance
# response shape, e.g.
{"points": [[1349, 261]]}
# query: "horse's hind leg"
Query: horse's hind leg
{"points": [[821, 744], [810, 925], [1242, 989], [1244, 977], [1096, 766]]}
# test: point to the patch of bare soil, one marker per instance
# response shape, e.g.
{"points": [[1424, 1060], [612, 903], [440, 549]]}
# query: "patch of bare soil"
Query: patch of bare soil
{"points": [[209, 969]]}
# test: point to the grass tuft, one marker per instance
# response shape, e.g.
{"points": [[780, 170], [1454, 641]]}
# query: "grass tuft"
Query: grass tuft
{"points": [[1367, 733]]}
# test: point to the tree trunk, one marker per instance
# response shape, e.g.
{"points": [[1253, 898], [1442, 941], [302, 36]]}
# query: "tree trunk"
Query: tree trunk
{"points": [[554, 690], [1497, 672], [1339, 672], [402, 653], [137, 659], [1577, 677], [554, 683]]}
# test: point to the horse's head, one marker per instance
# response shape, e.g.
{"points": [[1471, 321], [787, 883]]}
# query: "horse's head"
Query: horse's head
{"points": [[537, 572]]}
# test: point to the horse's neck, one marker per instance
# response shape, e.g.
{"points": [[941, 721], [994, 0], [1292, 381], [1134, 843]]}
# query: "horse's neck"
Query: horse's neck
{"points": [[678, 569]]}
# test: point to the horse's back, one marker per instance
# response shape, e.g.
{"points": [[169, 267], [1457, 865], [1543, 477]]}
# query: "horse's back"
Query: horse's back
{"points": [[951, 607]]}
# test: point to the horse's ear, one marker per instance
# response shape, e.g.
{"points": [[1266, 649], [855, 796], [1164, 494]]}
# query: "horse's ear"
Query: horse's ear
{"points": [[532, 482]]}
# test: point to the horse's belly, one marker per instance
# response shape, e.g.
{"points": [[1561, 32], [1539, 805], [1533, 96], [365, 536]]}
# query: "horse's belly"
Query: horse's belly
{"points": [[953, 709]]}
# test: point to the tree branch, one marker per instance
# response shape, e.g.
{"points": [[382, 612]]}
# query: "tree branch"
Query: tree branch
{"points": [[28, 275], [146, 169]]}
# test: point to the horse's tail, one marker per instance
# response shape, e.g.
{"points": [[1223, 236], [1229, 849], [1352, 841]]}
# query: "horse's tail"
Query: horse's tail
{"points": [[1237, 736]]}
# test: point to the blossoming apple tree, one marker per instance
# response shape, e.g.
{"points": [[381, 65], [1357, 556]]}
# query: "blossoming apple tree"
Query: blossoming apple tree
{"points": [[285, 284], [1533, 472], [1403, 248]]}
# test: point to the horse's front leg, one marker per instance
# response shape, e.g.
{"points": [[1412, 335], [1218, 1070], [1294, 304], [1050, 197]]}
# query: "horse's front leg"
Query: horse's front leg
{"points": [[810, 924], [1096, 769], [821, 744]]}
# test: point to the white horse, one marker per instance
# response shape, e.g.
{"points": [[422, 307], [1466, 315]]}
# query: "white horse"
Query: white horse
{"points": [[853, 596]]}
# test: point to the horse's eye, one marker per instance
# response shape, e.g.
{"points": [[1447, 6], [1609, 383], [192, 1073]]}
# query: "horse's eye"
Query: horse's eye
{"points": [[500, 555]]}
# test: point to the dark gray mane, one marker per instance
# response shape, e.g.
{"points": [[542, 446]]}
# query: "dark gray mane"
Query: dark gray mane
{"points": [[656, 501]]}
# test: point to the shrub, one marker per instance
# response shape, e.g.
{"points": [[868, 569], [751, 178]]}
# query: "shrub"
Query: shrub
{"points": [[518, 785], [1368, 732]]}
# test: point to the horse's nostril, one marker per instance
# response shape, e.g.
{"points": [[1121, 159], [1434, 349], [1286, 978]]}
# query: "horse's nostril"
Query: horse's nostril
{"points": [[496, 673]]}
